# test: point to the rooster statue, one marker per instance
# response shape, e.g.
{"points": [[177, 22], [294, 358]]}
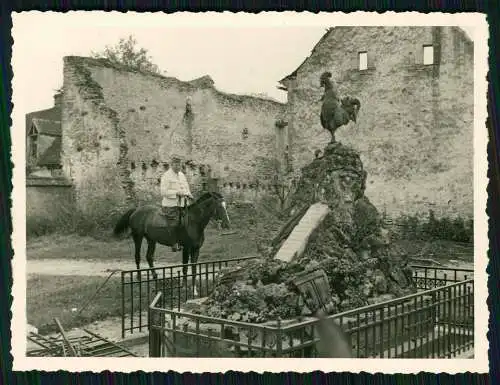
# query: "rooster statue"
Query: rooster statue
{"points": [[336, 113]]}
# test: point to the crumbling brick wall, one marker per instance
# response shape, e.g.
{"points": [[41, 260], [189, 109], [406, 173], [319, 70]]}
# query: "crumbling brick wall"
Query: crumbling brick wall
{"points": [[415, 126], [121, 127]]}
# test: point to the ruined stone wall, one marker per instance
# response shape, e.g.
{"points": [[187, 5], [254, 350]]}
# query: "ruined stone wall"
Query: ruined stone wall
{"points": [[92, 144], [48, 198], [415, 126], [140, 120]]}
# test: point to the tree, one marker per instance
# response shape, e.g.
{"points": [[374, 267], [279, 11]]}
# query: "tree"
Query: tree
{"points": [[126, 53], [284, 183]]}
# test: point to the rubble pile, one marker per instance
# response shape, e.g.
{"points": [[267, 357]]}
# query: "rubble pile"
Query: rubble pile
{"points": [[350, 244]]}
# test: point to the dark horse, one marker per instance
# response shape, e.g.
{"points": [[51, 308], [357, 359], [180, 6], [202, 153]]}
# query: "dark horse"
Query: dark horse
{"points": [[334, 114], [149, 222]]}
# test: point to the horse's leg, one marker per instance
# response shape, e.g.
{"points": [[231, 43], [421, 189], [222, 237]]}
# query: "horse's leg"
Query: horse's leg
{"points": [[138, 244], [185, 261], [195, 252], [149, 256]]}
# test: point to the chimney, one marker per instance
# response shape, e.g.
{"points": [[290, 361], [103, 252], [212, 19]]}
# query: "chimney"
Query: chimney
{"points": [[58, 99]]}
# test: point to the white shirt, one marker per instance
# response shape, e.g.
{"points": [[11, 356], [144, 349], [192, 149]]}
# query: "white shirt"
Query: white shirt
{"points": [[171, 184]]}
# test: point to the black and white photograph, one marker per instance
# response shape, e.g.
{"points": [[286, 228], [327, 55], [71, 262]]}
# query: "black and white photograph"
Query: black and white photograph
{"points": [[274, 186]]}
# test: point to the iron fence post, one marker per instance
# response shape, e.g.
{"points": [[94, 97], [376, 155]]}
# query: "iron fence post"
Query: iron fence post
{"points": [[279, 340], [123, 304]]}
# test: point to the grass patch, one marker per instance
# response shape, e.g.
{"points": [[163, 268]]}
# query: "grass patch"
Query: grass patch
{"points": [[68, 220], [50, 296], [55, 296], [60, 246]]}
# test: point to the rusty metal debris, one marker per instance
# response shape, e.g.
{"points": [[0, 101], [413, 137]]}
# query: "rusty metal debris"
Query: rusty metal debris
{"points": [[84, 344]]}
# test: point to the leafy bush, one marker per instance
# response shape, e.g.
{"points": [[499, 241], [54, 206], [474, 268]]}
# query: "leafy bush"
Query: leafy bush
{"points": [[127, 53], [98, 222], [261, 220], [412, 227]]}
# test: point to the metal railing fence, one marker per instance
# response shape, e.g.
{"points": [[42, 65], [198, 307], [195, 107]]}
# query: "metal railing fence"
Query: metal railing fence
{"points": [[138, 287], [436, 323]]}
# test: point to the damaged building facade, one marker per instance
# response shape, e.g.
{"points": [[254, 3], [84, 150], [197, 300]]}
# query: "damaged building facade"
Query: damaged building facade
{"points": [[415, 126], [121, 127], [113, 130]]}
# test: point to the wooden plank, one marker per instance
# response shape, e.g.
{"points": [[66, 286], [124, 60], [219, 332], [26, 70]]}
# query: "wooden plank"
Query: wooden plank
{"points": [[63, 334], [37, 341], [110, 342], [52, 345], [91, 345]]}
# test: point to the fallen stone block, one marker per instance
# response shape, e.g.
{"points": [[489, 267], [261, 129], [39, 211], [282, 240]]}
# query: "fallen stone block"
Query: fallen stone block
{"points": [[297, 241]]}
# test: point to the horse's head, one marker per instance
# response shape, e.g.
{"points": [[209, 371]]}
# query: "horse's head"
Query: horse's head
{"points": [[221, 210], [219, 207]]}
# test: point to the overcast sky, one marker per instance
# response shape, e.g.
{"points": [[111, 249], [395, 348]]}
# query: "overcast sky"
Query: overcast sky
{"points": [[240, 56]]}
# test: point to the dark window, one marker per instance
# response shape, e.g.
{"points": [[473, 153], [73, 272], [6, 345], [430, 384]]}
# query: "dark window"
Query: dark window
{"points": [[33, 142], [33, 146]]}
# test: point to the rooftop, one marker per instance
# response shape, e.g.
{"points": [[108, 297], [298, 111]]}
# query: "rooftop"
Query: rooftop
{"points": [[47, 127], [52, 156]]}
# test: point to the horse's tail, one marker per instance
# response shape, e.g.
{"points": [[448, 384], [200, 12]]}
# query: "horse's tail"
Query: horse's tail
{"points": [[123, 222]]}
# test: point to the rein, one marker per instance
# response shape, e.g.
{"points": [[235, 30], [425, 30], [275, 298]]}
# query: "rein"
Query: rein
{"points": [[198, 206]]}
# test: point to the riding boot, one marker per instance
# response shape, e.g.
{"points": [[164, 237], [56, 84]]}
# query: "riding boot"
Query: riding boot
{"points": [[179, 228], [177, 247]]}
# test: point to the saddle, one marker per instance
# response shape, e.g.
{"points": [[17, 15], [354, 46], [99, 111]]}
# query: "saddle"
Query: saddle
{"points": [[174, 216], [171, 214]]}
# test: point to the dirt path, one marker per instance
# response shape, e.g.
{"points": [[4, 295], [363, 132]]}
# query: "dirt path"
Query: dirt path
{"points": [[62, 266], [100, 268], [104, 268]]}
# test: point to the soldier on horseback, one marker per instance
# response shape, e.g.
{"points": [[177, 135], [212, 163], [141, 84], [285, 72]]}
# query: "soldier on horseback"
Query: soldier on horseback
{"points": [[174, 189]]}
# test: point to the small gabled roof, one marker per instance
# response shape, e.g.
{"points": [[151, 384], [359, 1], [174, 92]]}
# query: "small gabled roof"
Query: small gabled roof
{"points": [[51, 156], [47, 127]]}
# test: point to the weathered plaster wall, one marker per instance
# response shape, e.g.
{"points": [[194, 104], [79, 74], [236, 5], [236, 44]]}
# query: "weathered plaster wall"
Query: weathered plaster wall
{"points": [[47, 198], [120, 127], [415, 126]]}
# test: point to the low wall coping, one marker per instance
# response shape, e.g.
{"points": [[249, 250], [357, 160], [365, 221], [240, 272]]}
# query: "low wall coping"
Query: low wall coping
{"points": [[45, 182]]}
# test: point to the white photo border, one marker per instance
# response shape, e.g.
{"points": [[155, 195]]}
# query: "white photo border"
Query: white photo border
{"points": [[478, 364]]}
